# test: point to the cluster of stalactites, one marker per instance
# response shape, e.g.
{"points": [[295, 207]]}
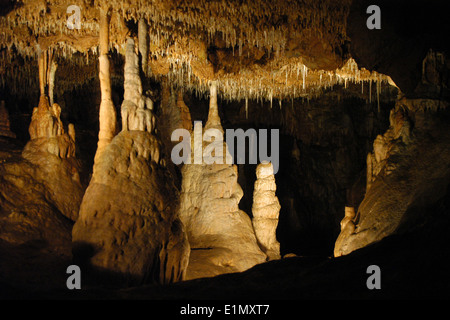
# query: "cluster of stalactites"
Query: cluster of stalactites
{"points": [[284, 83], [265, 24]]}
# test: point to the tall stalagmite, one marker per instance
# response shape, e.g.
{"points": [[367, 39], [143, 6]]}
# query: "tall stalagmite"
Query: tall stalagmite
{"points": [[220, 234], [266, 210], [128, 217], [107, 112]]}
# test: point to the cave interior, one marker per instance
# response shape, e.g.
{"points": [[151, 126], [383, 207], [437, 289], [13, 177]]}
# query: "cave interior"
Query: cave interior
{"points": [[92, 91]]}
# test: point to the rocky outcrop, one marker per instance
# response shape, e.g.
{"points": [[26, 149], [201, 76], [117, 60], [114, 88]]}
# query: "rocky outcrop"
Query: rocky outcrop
{"points": [[266, 210], [128, 221], [221, 235], [408, 168]]}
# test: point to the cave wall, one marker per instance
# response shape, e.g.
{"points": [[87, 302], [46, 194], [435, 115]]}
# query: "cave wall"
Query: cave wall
{"points": [[409, 30]]}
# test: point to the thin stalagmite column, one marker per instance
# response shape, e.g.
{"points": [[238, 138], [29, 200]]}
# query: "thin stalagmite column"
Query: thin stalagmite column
{"points": [[143, 43], [213, 114], [51, 81], [107, 113], [47, 70], [42, 72]]}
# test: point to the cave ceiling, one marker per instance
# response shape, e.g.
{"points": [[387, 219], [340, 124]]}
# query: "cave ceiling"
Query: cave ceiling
{"points": [[253, 49]]}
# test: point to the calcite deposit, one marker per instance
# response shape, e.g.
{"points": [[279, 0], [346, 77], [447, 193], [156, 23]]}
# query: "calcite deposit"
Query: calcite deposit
{"points": [[41, 189], [402, 173], [266, 210], [221, 235], [128, 222]]}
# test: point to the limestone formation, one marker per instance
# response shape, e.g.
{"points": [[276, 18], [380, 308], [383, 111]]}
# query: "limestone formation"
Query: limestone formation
{"points": [[47, 131], [40, 189], [396, 137], [220, 234], [128, 217], [143, 44], [136, 110], [266, 210], [407, 170], [347, 227], [107, 112], [4, 122]]}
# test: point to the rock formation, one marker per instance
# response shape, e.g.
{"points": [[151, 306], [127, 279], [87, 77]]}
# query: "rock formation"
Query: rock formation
{"points": [[107, 112], [407, 169], [47, 131], [40, 189], [128, 221], [396, 137], [221, 235], [4, 122], [266, 209]]}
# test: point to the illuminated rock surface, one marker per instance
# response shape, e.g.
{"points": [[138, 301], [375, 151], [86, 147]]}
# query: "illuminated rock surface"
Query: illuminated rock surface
{"points": [[40, 188], [128, 221], [221, 235], [363, 176], [266, 210], [408, 169]]}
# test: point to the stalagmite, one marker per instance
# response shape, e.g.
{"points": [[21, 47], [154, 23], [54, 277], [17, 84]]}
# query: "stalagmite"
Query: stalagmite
{"points": [[46, 124], [51, 81], [129, 212], [107, 113], [266, 210], [220, 234], [347, 228], [136, 110], [42, 59], [213, 121], [143, 44]]}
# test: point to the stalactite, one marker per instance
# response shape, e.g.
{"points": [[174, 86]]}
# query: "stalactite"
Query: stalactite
{"points": [[42, 72], [246, 107], [378, 93]]}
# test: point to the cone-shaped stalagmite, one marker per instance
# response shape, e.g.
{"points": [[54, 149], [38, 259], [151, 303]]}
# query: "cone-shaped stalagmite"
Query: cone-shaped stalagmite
{"points": [[128, 217], [143, 43], [221, 234]]}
